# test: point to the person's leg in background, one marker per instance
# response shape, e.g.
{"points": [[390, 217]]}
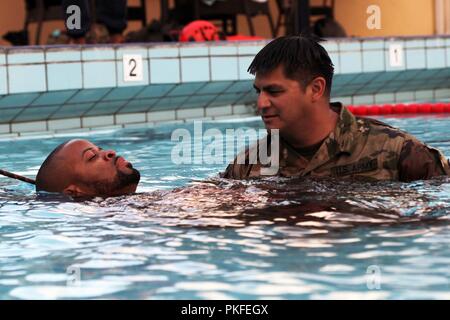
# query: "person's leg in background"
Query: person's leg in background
{"points": [[77, 35], [113, 15]]}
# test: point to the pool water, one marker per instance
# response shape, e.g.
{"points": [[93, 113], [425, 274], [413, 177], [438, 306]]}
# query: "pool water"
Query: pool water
{"points": [[181, 238]]}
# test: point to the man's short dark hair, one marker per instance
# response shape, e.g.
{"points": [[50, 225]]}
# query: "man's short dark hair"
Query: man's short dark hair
{"points": [[44, 180], [302, 58]]}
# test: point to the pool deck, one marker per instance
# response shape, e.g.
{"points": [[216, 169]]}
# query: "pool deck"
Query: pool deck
{"points": [[55, 89]]}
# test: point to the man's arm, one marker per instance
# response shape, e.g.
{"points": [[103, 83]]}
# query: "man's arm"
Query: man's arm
{"points": [[419, 162], [237, 169]]}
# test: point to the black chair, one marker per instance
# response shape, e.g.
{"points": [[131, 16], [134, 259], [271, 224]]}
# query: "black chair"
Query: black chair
{"points": [[138, 13], [285, 13], [39, 11]]}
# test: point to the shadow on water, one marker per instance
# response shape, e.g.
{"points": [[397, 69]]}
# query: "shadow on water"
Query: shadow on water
{"points": [[311, 203]]}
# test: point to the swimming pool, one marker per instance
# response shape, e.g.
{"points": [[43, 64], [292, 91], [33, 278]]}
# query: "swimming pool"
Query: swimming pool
{"points": [[272, 239]]}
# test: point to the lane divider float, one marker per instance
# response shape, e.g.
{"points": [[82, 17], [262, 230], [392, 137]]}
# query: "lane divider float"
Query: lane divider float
{"points": [[400, 108]]}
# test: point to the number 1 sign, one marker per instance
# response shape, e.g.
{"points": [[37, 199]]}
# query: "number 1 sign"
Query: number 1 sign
{"points": [[396, 55], [132, 67]]}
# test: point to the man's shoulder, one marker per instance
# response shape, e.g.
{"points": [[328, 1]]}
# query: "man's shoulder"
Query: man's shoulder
{"points": [[377, 127], [241, 166]]}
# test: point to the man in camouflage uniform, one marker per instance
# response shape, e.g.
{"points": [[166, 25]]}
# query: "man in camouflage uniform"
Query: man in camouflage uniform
{"points": [[319, 138]]}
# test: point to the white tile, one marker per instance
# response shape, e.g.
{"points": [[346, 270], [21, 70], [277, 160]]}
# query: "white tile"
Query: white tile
{"points": [[165, 70], [364, 99], [139, 125], [61, 124], [194, 51], [198, 119], [161, 115], [131, 118], [447, 56], [3, 80], [349, 46], [166, 122], [131, 49], [37, 135], [250, 49], [194, 69], [225, 117], [244, 63], [2, 59], [121, 77], [163, 52], [243, 109], [442, 93], [350, 62], [28, 56], [8, 136], [334, 56], [100, 53], [97, 121], [415, 59], [387, 56], [190, 113], [224, 68], [64, 76], [330, 46], [424, 95], [384, 98], [26, 78], [406, 96], [435, 58], [344, 100], [218, 111], [99, 74], [415, 43], [71, 132], [373, 44], [62, 55], [29, 126], [4, 128], [225, 50], [434, 42], [373, 61], [105, 129]]}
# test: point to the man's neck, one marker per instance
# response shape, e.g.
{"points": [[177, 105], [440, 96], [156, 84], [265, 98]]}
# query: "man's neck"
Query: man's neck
{"points": [[316, 130]]}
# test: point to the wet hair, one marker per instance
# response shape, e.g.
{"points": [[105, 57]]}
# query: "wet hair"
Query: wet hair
{"points": [[45, 180], [302, 58]]}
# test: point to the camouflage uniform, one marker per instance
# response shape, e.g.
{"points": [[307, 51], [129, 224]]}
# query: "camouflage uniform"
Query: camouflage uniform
{"points": [[357, 148]]}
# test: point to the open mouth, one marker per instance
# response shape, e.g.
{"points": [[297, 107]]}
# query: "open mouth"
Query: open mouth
{"points": [[119, 160]]}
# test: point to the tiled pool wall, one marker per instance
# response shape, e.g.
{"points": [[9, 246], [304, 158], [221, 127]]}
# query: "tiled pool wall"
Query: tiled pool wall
{"points": [[53, 89]]}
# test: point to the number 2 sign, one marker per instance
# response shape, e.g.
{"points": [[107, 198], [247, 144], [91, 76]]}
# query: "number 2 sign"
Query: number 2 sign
{"points": [[132, 67]]}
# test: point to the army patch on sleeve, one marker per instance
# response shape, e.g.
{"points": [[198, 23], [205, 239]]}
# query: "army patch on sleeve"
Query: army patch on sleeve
{"points": [[357, 167]]}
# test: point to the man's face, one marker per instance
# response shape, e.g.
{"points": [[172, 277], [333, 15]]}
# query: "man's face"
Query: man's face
{"points": [[282, 102], [98, 172]]}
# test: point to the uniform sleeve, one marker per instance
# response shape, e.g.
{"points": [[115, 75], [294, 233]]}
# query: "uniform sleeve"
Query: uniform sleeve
{"points": [[419, 162], [237, 170], [228, 174]]}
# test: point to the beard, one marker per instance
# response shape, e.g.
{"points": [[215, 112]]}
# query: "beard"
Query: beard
{"points": [[122, 181]]}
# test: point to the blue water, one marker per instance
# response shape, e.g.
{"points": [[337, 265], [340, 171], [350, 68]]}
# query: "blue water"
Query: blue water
{"points": [[178, 239]]}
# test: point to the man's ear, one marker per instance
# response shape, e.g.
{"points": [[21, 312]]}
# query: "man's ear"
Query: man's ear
{"points": [[75, 191], [318, 87]]}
